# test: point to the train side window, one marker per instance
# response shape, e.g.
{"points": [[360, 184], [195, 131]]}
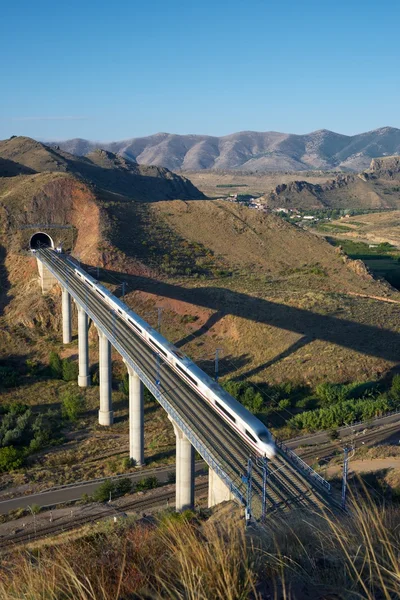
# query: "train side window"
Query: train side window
{"points": [[134, 325], [158, 347], [226, 412], [186, 374], [251, 436]]}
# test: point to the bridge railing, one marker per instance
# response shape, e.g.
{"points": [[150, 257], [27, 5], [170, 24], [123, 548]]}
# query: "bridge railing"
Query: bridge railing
{"points": [[303, 466]]}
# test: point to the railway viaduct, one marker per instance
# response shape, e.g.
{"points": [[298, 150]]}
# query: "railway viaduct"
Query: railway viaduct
{"points": [[234, 472]]}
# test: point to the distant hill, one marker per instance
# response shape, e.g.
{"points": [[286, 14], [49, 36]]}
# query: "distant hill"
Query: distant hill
{"points": [[252, 151], [371, 189], [101, 168]]}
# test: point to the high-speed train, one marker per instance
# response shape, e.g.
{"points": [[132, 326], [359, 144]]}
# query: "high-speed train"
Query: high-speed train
{"points": [[235, 414]]}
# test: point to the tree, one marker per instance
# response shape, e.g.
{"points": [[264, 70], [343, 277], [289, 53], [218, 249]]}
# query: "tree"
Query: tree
{"points": [[73, 405], [10, 459], [69, 370], [56, 365]]}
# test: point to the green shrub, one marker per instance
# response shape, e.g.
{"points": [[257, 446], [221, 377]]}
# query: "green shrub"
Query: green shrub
{"points": [[128, 463], [284, 404], [123, 486], [342, 413], [309, 402], [331, 393], [395, 387], [147, 483], [10, 459], [69, 370], [35, 509], [33, 367], [72, 405], [104, 491], [56, 365]]}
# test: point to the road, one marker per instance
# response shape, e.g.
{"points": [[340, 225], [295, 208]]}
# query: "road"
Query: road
{"points": [[387, 434], [323, 436], [75, 492], [287, 484], [30, 528]]}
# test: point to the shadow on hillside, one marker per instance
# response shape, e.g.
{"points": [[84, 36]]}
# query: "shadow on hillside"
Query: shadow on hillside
{"points": [[4, 282], [10, 168], [226, 365], [363, 338], [142, 183]]}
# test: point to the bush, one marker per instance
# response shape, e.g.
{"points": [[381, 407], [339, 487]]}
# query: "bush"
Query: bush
{"points": [[33, 367], [309, 402], [284, 404], [395, 387], [10, 459], [343, 412], [128, 463], [246, 394], [56, 365], [73, 405], [330, 393], [69, 370], [147, 483], [123, 486], [104, 491]]}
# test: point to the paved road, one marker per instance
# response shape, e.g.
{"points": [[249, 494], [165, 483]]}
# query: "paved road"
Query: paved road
{"points": [[221, 442], [71, 493], [323, 436]]}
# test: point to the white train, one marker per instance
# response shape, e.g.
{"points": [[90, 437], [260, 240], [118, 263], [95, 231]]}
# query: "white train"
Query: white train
{"points": [[239, 418]]}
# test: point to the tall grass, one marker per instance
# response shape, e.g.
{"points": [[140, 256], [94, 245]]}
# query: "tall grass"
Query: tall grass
{"points": [[296, 556]]}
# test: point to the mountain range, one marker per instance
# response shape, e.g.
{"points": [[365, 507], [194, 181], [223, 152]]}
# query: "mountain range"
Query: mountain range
{"points": [[251, 150]]}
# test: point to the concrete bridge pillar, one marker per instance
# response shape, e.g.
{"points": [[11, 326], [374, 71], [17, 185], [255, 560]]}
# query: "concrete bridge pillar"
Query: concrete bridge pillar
{"points": [[83, 346], [66, 316], [218, 491], [136, 417], [47, 279], [184, 471], [106, 416]]}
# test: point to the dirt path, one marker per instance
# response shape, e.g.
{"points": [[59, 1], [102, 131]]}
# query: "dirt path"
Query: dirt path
{"points": [[367, 465]]}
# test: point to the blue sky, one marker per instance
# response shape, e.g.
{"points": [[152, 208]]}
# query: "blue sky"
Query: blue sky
{"points": [[108, 71]]}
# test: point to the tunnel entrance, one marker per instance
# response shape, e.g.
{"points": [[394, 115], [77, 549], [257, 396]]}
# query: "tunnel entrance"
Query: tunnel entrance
{"points": [[40, 240]]}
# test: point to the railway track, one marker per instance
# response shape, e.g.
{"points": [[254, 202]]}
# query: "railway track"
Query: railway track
{"points": [[138, 505], [286, 485], [312, 454]]}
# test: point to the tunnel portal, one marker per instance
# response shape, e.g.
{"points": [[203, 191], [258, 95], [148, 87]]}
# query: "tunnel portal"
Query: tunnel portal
{"points": [[40, 240]]}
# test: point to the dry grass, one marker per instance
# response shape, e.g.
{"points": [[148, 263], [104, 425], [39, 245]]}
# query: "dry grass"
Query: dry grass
{"points": [[245, 183], [299, 556]]}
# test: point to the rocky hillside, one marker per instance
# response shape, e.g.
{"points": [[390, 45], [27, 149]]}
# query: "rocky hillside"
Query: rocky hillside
{"points": [[252, 151], [370, 189], [100, 168], [387, 167]]}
